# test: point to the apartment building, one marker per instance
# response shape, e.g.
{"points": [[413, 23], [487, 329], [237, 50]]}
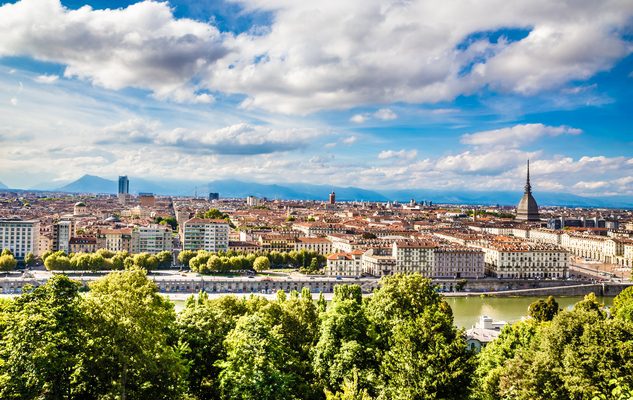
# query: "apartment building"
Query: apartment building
{"points": [[124, 239], [319, 245], [521, 260], [154, 238], [458, 262], [19, 236], [205, 234], [344, 264]]}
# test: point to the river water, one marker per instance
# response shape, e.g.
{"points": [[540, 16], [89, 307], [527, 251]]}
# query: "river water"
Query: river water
{"points": [[466, 310]]}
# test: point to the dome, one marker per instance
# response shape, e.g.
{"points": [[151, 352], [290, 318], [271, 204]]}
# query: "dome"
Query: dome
{"points": [[80, 204]]}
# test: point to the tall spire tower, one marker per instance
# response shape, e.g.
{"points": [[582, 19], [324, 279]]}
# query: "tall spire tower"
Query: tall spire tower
{"points": [[527, 210]]}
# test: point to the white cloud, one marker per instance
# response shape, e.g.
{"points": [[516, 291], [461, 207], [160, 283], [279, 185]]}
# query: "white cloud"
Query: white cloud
{"points": [[516, 135], [238, 139], [141, 46], [385, 114], [379, 53], [13, 101], [402, 154], [349, 140], [47, 79], [416, 51], [359, 118]]}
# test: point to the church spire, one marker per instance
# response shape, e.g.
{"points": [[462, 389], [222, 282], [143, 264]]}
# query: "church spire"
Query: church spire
{"points": [[528, 187]]}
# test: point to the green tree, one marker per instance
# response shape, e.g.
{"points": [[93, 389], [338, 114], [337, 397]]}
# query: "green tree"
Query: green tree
{"points": [[42, 342], [202, 327], [132, 349], [258, 365], [414, 329], [261, 264], [344, 344], [7, 262], [6, 252], [543, 310], [146, 261], [164, 259], [623, 305], [29, 259], [185, 256]]}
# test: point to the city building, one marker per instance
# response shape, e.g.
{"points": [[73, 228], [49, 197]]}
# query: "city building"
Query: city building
{"points": [[146, 199], [154, 238], [79, 209], [332, 198], [318, 244], [205, 234], [83, 244], [485, 331], [214, 196], [62, 231], [253, 201], [124, 189], [523, 260], [344, 264], [19, 236], [527, 210], [124, 239]]}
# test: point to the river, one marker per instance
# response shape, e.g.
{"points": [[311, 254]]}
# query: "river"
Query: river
{"points": [[466, 310]]}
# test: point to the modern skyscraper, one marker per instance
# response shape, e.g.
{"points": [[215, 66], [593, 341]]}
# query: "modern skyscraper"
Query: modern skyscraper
{"points": [[527, 210], [332, 197], [124, 185]]}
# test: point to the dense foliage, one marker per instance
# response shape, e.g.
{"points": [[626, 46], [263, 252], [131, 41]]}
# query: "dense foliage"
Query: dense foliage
{"points": [[123, 340], [103, 260], [206, 262]]}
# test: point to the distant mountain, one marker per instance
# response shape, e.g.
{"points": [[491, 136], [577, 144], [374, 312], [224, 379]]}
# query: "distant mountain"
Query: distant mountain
{"points": [[303, 191], [90, 184]]}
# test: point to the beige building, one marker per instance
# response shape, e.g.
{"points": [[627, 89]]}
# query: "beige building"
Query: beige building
{"points": [[319, 245], [344, 264], [205, 234], [458, 262], [520, 260], [118, 240], [19, 236], [154, 238]]}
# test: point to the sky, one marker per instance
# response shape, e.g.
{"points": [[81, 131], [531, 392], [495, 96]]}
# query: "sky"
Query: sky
{"points": [[376, 94]]}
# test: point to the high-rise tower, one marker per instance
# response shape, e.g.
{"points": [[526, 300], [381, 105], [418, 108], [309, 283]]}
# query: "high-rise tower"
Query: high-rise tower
{"points": [[124, 185], [527, 210]]}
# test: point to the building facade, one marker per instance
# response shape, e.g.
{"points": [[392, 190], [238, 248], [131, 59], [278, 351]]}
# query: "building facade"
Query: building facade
{"points": [[205, 234], [19, 236]]}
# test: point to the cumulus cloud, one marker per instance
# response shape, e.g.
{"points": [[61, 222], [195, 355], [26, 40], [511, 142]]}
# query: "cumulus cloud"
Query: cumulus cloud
{"points": [[516, 135], [385, 114], [141, 46], [402, 154], [349, 140], [359, 118], [47, 79], [416, 51], [379, 53], [238, 139]]}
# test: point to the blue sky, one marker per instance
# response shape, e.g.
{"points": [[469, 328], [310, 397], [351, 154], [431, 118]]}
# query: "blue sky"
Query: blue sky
{"points": [[359, 93]]}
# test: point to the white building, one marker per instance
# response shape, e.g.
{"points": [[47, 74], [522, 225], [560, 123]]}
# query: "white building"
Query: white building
{"points": [[458, 262], [154, 238], [205, 234], [520, 260], [485, 331], [319, 245], [19, 236], [344, 264]]}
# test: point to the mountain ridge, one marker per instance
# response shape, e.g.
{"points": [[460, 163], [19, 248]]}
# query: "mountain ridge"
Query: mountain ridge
{"points": [[303, 191]]}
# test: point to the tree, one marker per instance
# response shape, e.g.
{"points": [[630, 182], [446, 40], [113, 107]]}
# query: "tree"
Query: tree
{"points": [[543, 310], [7, 262], [29, 259], [202, 327], [184, 257], [43, 342], [623, 305], [344, 344], [164, 259], [261, 264], [258, 364], [414, 329], [132, 349], [146, 261], [6, 252]]}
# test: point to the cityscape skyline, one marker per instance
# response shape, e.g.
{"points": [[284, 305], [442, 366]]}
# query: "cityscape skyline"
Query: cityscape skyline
{"points": [[238, 90]]}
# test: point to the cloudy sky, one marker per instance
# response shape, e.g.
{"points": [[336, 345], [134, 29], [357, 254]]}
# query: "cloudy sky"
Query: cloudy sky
{"points": [[375, 94]]}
